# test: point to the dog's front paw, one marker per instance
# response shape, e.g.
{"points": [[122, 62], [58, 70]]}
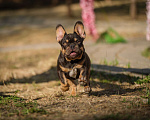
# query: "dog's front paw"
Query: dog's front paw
{"points": [[87, 89], [74, 91], [73, 73], [82, 81]]}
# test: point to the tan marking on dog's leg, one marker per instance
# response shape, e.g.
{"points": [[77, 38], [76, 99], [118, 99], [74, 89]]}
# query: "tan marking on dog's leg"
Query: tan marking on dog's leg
{"points": [[65, 87], [64, 69], [73, 87], [82, 79], [87, 88], [81, 72]]}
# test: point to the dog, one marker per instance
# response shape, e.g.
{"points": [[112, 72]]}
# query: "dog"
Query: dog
{"points": [[73, 62]]}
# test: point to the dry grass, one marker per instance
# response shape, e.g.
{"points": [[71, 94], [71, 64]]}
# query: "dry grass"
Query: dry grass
{"points": [[26, 63]]}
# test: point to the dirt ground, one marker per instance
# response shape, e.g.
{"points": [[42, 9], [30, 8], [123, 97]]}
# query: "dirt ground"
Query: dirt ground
{"points": [[31, 74]]}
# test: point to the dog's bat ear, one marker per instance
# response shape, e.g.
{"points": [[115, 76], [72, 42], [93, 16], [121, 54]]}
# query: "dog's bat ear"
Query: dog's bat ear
{"points": [[60, 32], [79, 29]]}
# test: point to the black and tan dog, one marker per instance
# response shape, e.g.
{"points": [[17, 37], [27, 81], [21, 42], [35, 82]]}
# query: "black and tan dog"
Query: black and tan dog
{"points": [[73, 62]]}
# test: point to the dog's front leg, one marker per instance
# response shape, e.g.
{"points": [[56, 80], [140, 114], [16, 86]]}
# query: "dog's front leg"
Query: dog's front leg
{"points": [[64, 81], [84, 79], [67, 83], [73, 86]]}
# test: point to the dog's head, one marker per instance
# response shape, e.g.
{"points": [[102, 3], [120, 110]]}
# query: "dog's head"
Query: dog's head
{"points": [[71, 44]]}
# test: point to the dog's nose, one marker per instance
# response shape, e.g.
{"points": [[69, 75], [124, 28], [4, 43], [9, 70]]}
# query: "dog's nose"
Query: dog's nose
{"points": [[72, 46]]}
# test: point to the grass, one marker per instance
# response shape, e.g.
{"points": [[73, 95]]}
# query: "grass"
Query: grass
{"points": [[128, 65], [136, 102], [111, 36], [111, 63], [114, 62], [18, 106], [146, 52], [105, 81], [146, 82]]}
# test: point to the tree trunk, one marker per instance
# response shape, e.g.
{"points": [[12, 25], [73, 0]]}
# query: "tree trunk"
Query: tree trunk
{"points": [[133, 9], [68, 2], [54, 2]]}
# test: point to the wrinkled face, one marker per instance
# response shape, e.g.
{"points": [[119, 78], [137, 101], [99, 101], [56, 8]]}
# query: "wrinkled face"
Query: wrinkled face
{"points": [[71, 44]]}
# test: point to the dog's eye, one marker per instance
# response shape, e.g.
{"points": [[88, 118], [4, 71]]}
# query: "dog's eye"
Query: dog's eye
{"points": [[75, 39], [78, 41], [67, 41]]}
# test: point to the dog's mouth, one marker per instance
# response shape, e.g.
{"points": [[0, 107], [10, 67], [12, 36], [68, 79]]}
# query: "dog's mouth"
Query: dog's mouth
{"points": [[73, 54]]}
